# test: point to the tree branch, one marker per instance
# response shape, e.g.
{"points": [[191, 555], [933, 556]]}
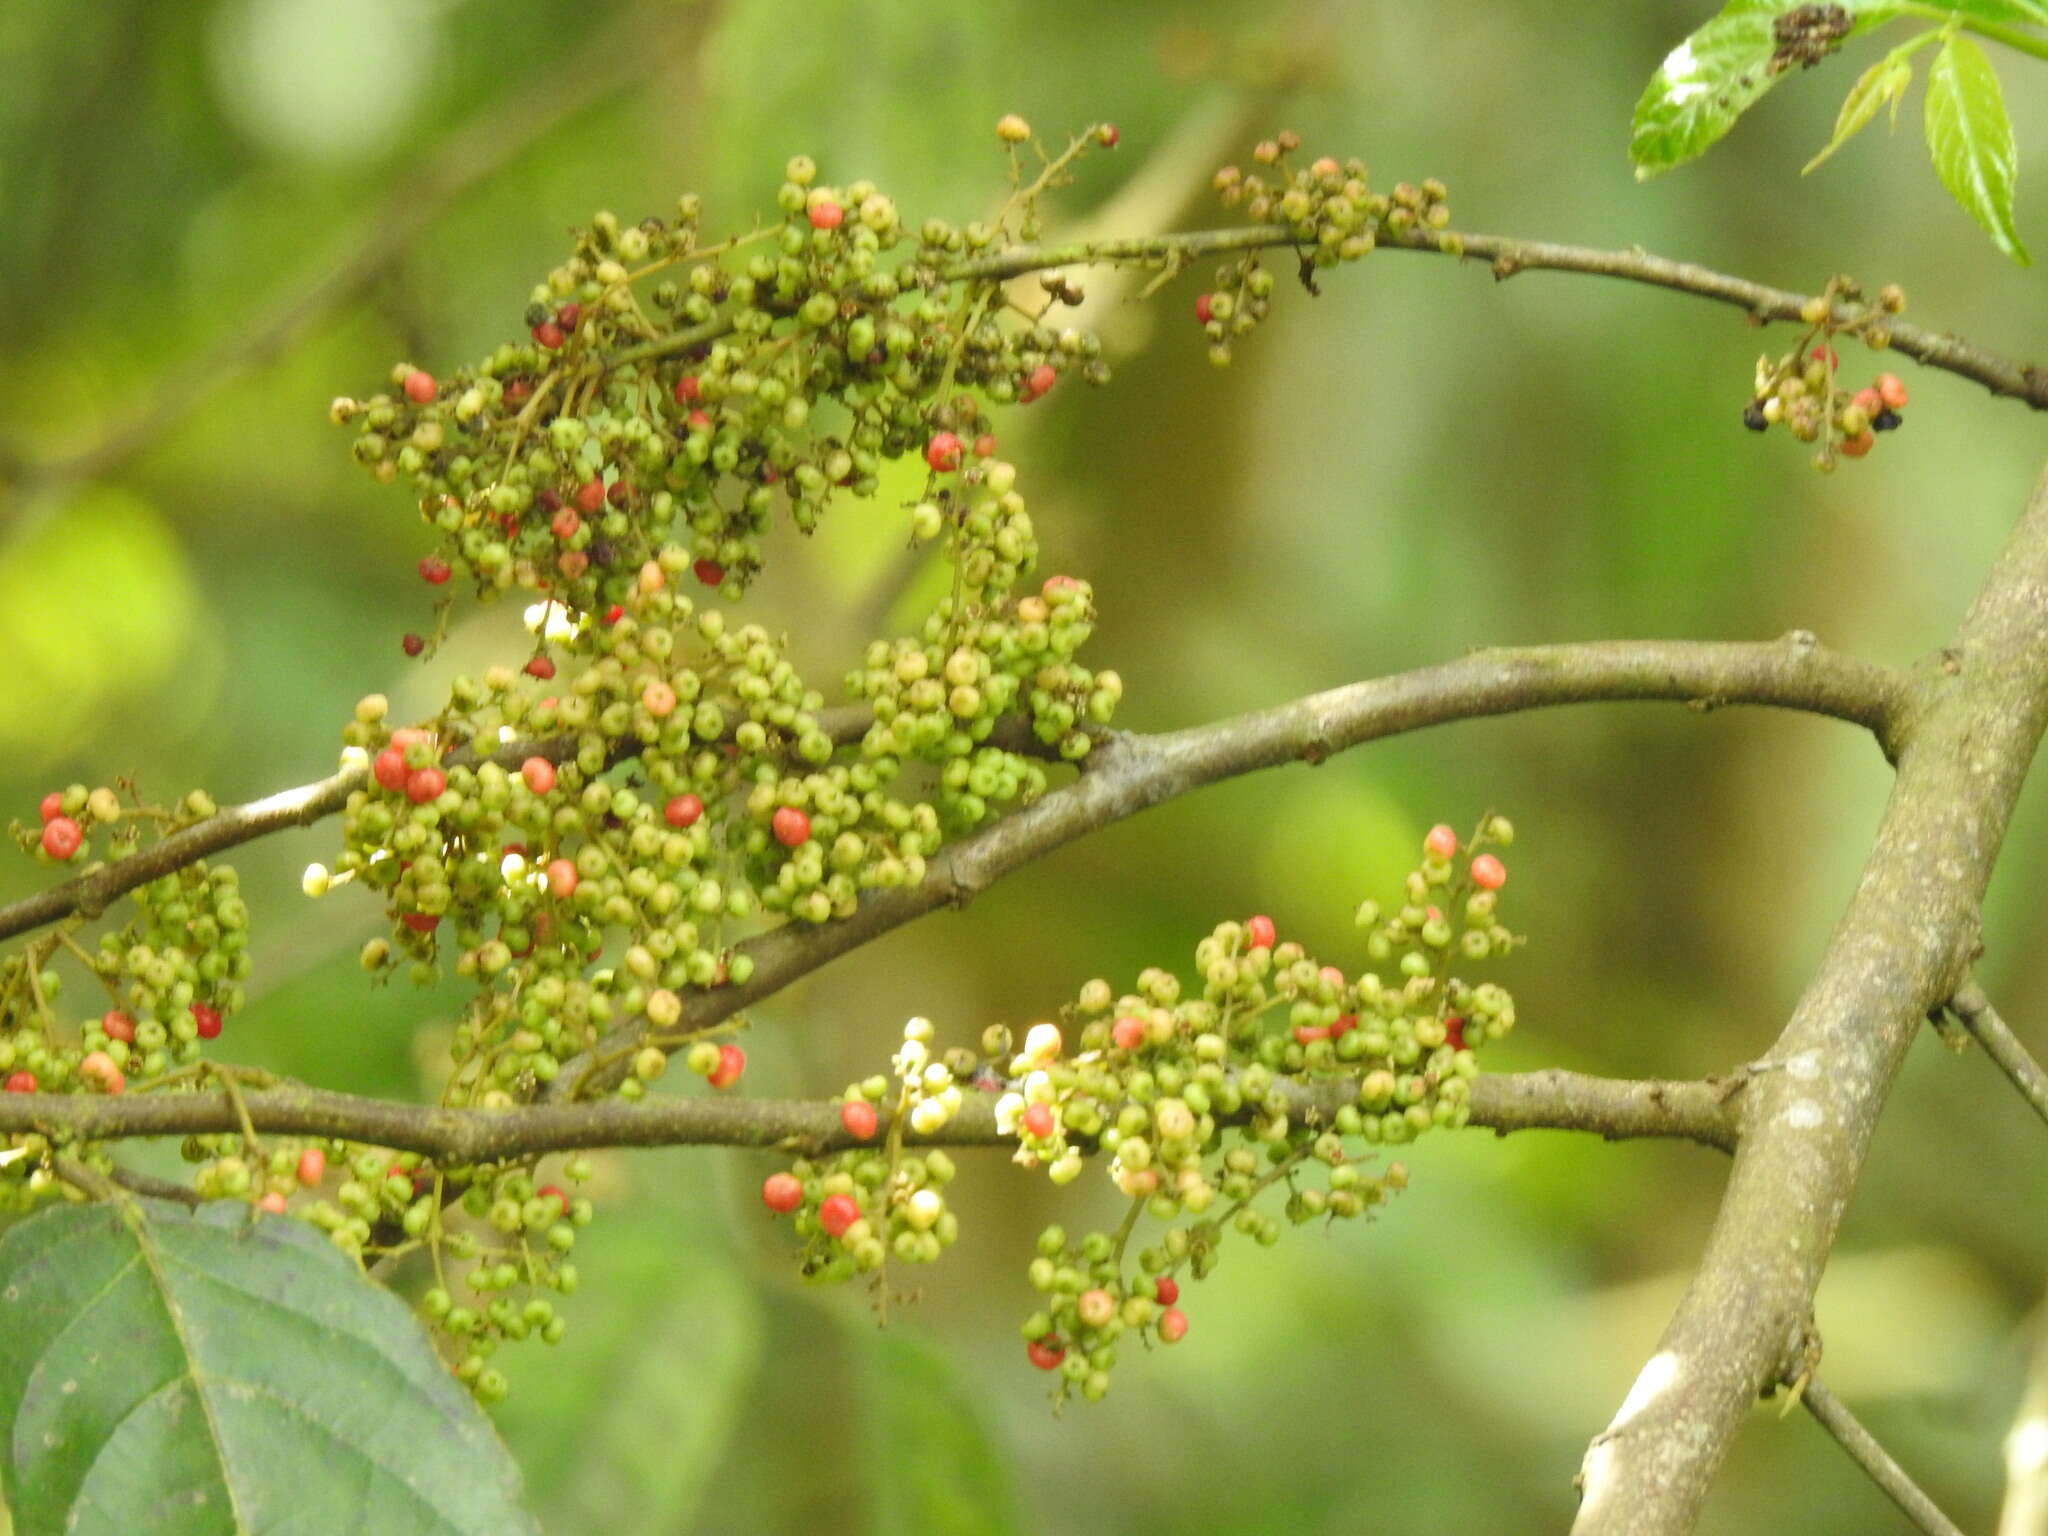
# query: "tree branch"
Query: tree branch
{"points": [[1617, 1109], [1128, 773], [2001, 1045], [1902, 948], [1833, 1415]]}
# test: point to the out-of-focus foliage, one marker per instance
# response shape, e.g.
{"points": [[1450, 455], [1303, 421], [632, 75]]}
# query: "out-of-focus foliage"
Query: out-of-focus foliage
{"points": [[1417, 462]]}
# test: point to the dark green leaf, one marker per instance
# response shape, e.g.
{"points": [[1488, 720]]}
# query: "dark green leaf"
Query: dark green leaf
{"points": [[1971, 140], [214, 1373]]}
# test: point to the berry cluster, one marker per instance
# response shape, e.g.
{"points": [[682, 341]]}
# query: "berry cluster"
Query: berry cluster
{"points": [[1272, 1068], [1803, 391], [1333, 214]]}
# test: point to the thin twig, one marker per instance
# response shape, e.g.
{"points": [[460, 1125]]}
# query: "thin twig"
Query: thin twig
{"points": [[2003, 1046], [1832, 1415]]}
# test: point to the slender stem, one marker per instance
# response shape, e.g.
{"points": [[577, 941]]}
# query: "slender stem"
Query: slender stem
{"points": [[1863, 1448], [2002, 1045], [2012, 37]]}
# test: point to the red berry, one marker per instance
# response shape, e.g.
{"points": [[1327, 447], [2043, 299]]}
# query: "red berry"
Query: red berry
{"points": [[553, 1192], [1128, 1033], [827, 215], [569, 316], [1488, 873], [420, 386], [859, 1118], [1202, 308], [836, 1213], [540, 667], [1038, 1121], [1892, 390], [687, 389], [207, 1018], [710, 572], [683, 811], [1108, 135], [1304, 1033], [539, 774], [412, 644], [424, 784], [1454, 1032], [1441, 843], [312, 1166], [1173, 1325], [98, 1068], [53, 805], [118, 1026], [1825, 355], [62, 837], [421, 922], [698, 421], [1167, 1290], [1346, 1022], [732, 1061], [21, 1082], [590, 496], [563, 524], [274, 1203], [616, 612], [548, 334], [782, 1192], [434, 571], [1857, 446], [1867, 400], [1259, 932], [1045, 1353], [943, 452], [619, 493], [792, 828], [561, 879], [388, 768], [1041, 378]]}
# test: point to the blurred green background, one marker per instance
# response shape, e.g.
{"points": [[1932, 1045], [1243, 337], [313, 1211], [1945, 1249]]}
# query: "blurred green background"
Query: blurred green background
{"points": [[1417, 462]]}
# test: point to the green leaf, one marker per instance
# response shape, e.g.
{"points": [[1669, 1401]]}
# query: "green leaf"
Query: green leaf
{"points": [[216, 1373], [2008, 12], [1885, 81], [1971, 140], [936, 1470], [1714, 76]]}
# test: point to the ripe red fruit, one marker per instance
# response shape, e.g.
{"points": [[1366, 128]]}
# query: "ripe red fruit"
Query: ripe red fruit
{"points": [[943, 452], [424, 784], [1857, 446], [1488, 873], [1825, 355], [118, 1026], [590, 496], [782, 1192], [540, 667], [1892, 390], [836, 1213], [698, 421], [1127, 1033], [1173, 1325], [687, 389], [548, 334], [859, 1118], [561, 879], [312, 1166], [616, 612], [1045, 1353], [421, 922], [207, 1017], [98, 1069], [1041, 378], [420, 386], [53, 805], [274, 1203], [1454, 1032], [556, 1193], [1202, 308], [412, 644], [569, 316], [1038, 1121], [21, 1082], [1304, 1033], [1259, 932], [827, 215], [683, 811], [1867, 400], [1441, 843], [1346, 1022], [710, 572], [563, 524], [1108, 135], [539, 774], [1167, 1290], [62, 837], [434, 571], [388, 768], [732, 1061], [792, 828]]}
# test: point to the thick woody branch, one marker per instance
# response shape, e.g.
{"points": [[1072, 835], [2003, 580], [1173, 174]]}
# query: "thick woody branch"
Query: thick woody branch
{"points": [[1551, 1100], [1127, 774], [1902, 948]]}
